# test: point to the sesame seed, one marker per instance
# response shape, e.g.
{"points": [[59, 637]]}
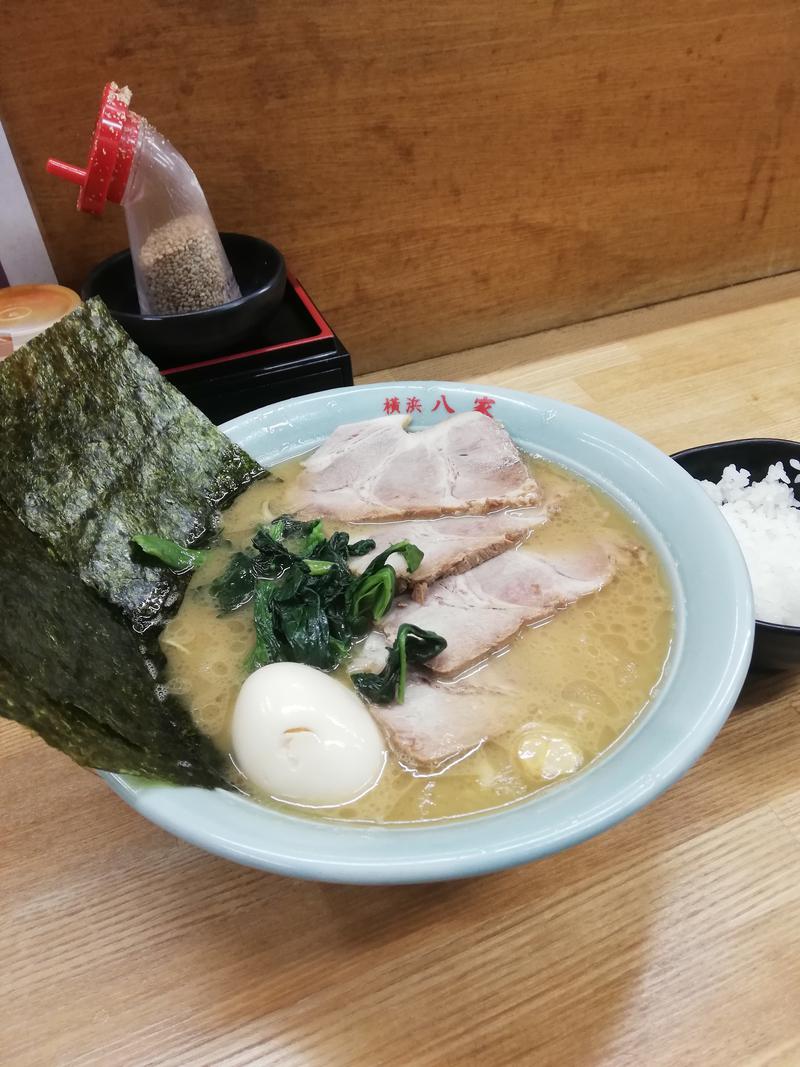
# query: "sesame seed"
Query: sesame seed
{"points": [[184, 268]]}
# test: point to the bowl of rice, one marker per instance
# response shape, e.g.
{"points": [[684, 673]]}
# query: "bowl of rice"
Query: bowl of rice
{"points": [[756, 484]]}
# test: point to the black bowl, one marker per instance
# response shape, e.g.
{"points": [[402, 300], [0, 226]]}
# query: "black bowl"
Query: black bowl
{"points": [[776, 647], [172, 339]]}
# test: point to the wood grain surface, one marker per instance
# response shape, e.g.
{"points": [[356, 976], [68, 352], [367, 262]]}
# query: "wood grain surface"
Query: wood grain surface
{"points": [[671, 941], [441, 175]]}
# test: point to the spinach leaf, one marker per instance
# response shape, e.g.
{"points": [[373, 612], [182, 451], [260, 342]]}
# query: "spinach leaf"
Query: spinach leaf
{"points": [[411, 645], [269, 647], [291, 535], [410, 553], [272, 557], [371, 595], [305, 628], [300, 538], [237, 583], [360, 548], [308, 607], [175, 556], [278, 547], [318, 566], [292, 623], [338, 548]]}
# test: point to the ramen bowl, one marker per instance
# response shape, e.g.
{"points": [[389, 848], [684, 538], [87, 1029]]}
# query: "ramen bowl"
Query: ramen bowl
{"points": [[705, 670]]}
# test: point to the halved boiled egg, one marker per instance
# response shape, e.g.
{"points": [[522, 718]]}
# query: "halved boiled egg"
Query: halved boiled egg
{"points": [[302, 736]]}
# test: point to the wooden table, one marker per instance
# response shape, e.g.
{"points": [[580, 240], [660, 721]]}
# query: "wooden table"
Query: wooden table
{"points": [[673, 939]]}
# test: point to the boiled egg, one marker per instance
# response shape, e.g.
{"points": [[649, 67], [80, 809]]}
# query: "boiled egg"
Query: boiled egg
{"points": [[305, 737]]}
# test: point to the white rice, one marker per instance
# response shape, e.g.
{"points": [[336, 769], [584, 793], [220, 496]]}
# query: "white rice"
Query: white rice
{"points": [[765, 517]]}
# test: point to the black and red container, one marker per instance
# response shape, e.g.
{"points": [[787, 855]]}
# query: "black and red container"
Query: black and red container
{"points": [[292, 353]]}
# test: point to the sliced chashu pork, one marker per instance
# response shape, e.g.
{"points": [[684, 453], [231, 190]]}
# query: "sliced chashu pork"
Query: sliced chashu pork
{"points": [[377, 470], [453, 544], [481, 610], [439, 720], [436, 722]]}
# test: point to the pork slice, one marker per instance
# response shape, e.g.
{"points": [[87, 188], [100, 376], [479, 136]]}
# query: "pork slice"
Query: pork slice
{"points": [[452, 544], [437, 723], [479, 611], [375, 470]]}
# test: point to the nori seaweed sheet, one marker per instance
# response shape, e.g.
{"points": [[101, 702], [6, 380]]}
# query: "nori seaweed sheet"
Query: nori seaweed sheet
{"points": [[73, 671], [95, 446]]}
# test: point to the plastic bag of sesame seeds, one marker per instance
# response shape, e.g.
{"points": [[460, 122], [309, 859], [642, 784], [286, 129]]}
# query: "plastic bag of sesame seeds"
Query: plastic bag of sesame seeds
{"points": [[178, 258]]}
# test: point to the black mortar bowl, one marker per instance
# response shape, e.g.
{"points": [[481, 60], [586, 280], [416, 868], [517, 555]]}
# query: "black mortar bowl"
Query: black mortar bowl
{"points": [[776, 647], [170, 340]]}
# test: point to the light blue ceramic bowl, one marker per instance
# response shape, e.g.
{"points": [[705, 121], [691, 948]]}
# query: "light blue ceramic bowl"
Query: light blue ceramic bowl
{"points": [[707, 666]]}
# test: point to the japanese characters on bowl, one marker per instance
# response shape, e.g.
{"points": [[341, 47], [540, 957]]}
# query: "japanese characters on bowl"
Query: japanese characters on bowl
{"points": [[413, 405]]}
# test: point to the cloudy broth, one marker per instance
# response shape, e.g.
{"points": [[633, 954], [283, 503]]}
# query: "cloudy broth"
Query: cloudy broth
{"points": [[579, 680]]}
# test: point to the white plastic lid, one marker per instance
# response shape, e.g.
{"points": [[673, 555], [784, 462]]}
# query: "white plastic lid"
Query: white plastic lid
{"points": [[26, 310]]}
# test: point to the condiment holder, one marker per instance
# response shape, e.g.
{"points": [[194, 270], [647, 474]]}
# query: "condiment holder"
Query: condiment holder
{"points": [[178, 260], [260, 272], [212, 310]]}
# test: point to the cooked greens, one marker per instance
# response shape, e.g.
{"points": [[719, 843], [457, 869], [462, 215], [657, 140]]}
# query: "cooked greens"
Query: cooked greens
{"points": [[276, 547], [175, 556], [411, 645], [302, 586], [292, 535], [372, 595], [236, 585], [307, 606]]}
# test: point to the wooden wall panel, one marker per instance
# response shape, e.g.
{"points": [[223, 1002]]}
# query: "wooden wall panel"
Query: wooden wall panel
{"points": [[442, 174]]}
